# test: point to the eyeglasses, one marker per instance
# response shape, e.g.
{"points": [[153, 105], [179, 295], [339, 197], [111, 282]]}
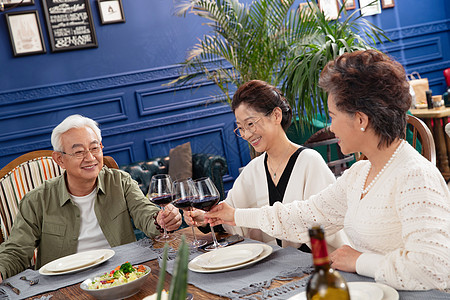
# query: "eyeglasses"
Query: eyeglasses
{"points": [[82, 154], [249, 126]]}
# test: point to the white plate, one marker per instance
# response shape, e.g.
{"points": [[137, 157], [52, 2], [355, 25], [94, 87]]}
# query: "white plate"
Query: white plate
{"points": [[363, 291], [267, 250], [229, 256], [74, 261], [103, 254]]}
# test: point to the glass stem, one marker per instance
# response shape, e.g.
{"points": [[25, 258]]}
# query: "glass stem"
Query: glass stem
{"points": [[164, 225], [193, 233], [216, 244]]}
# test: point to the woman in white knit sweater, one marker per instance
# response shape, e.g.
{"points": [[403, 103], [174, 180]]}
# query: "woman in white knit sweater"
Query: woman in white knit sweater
{"points": [[285, 172], [394, 207]]}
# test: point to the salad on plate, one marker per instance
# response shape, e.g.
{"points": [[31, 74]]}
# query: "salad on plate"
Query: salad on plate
{"points": [[122, 274]]}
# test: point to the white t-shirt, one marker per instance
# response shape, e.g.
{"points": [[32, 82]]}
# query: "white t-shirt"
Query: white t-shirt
{"points": [[91, 235]]}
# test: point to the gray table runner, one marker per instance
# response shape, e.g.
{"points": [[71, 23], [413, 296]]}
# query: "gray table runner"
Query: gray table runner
{"points": [[135, 253], [282, 264]]}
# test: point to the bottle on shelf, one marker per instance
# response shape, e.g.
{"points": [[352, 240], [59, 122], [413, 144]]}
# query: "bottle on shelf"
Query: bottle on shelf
{"points": [[429, 96], [325, 282]]}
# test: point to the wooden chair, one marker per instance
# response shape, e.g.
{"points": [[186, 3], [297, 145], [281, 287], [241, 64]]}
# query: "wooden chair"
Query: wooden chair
{"points": [[420, 132], [23, 174], [335, 159]]}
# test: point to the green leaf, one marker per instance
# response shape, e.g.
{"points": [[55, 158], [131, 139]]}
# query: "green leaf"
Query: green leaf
{"points": [[178, 285], [162, 273]]}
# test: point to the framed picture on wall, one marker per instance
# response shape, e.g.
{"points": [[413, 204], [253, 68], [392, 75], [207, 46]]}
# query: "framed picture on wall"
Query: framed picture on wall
{"points": [[111, 11], [330, 8], [370, 7], [387, 3], [9, 3], [25, 32], [69, 24], [350, 4]]}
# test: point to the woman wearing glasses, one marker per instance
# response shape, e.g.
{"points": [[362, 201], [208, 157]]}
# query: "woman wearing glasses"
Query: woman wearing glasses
{"points": [[284, 172]]}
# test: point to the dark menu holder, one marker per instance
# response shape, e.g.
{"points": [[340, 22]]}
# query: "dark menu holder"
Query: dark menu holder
{"points": [[69, 24]]}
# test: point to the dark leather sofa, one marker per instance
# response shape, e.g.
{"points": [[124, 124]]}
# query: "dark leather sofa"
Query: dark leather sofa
{"points": [[203, 165]]}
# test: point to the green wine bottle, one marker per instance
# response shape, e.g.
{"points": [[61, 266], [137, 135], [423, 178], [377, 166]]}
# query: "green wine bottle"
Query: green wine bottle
{"points": [[325, 282]]}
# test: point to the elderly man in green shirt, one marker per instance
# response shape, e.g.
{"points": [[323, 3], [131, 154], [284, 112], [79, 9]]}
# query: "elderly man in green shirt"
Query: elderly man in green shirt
{"points": [[88, 207]]}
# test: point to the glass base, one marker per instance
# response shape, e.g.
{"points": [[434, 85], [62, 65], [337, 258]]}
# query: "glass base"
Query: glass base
{"points": [[214, 247], [198, 243], [164, 238]]}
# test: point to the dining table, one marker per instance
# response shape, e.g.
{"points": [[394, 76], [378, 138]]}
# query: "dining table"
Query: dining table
{"points": [[282, 274], [436, 119]]}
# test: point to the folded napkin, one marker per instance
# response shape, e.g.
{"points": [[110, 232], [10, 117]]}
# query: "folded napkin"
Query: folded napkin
{"points": [[135, 253]]}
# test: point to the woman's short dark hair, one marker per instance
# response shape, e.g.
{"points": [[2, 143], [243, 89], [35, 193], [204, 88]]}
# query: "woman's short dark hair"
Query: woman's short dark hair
{"points": [[262, 97], [372, 83]]}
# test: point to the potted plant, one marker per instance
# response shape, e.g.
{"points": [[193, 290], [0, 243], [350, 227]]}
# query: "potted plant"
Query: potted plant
{"points": [[306, 60], [274, 41]]}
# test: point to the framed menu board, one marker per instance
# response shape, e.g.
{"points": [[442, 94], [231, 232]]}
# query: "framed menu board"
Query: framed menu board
{"points": [[69, 24]]}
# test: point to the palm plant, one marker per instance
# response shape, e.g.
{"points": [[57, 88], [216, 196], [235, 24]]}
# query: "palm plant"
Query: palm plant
{"points": [[272, 41], [246, 41], [306, 61]]}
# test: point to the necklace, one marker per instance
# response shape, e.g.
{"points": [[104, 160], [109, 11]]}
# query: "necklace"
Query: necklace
{"points": [[282, 160], [367, 189]]}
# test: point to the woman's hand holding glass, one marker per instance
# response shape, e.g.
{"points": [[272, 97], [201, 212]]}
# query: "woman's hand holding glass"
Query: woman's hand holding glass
{"points": [[221, 214], [185, 193], [195, 217], [208, 197]]}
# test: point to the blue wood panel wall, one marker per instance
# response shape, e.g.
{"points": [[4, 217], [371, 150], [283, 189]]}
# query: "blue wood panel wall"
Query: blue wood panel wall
{"points": [[121, 83]]}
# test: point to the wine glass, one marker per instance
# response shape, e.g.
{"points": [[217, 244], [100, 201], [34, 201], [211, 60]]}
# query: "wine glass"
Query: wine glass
{"points": [[161, 193], [185, 193], [208, 197]]}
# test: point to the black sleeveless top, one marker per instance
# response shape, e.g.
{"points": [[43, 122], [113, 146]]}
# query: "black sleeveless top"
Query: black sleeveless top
{"points": [[276, 193]]}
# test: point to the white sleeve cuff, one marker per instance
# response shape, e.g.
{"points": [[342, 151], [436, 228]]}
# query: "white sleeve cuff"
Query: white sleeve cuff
{"points": [[247, 217], [367, 264]]}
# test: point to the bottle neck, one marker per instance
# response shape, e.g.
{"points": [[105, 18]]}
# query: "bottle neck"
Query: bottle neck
{"points": [[320, 253]]}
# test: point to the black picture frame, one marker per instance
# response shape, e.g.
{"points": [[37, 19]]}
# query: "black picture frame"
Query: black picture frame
{"points": [[25, 33], [111, 11], [9, 3], [69, 24]]}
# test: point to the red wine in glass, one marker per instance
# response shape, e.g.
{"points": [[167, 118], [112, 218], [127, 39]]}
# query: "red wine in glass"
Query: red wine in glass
{"points": [[183, 203], [208, 197], [161, 193], [162, 200], [185, 194], [206, 203]]}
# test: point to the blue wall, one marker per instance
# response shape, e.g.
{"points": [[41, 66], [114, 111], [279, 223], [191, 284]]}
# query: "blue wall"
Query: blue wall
{"points": [[120, 83]]}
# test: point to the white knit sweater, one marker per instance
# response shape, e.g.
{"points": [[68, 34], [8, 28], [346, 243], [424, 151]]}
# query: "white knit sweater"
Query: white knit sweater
{"points": [[309, 176], [402, 225]]}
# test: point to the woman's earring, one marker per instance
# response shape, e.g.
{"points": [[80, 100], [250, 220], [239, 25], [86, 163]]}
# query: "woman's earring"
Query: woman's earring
{"points": [[363, 129]]}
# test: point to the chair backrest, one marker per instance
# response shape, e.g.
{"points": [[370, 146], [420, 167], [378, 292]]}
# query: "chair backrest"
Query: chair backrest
{"points": [[23, 174], [335, 159], [420, 132]]}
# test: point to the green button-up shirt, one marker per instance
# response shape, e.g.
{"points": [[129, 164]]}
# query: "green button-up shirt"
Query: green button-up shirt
{"points": [[50, 221]]}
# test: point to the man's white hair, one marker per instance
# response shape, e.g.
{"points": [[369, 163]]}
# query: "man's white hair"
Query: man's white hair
{"points": [[73, 121]]}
